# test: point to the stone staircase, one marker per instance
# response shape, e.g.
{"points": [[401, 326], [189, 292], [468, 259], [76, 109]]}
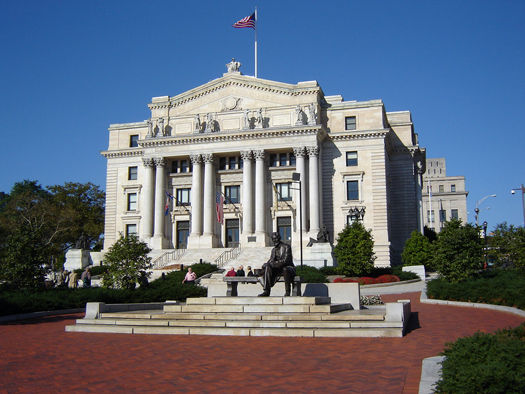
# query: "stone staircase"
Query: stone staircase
{"points": [[253, 257], [249, 316]]}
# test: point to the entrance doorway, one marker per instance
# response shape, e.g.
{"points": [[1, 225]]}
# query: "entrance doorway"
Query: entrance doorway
{"points": [[183, 230], [232, 233], [284, 228]]}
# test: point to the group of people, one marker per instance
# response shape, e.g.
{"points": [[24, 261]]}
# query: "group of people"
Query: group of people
{"points": [[70, 279], [240, 271]]}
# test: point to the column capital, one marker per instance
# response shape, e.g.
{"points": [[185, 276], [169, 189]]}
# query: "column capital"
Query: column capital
{"points": [[299, 151], [258, 154], [312, 150], [160, 161], [148, 162], [207, 158], [246, 154], [196, 159]]}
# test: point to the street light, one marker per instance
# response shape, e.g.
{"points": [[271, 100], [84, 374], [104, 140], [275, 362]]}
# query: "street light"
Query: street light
{"points": [[479, 203], [296, 177], [486, 242], [522, 188]]}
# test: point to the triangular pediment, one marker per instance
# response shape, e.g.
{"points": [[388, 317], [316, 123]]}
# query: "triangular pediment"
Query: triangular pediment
{"points": [[235, 92]]}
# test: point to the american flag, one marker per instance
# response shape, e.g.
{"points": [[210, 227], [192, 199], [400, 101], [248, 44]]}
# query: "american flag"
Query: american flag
{"points": [[248, 21], [219, 207], [167, 206]]}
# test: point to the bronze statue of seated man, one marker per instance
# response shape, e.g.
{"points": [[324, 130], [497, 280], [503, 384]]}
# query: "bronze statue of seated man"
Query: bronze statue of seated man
{"points": [[279, 264]]}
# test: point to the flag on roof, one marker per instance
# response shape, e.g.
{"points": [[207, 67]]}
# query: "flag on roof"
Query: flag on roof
{"points": [[248, 21]]}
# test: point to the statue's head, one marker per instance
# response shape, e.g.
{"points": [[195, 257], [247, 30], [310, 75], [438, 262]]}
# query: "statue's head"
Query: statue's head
{"points": [[276, 238]]}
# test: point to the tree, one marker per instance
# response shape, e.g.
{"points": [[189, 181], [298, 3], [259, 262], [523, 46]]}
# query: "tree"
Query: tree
{"points": [[507, 246], [354, 250], [417, 250], [458, 251], [127, 261]]}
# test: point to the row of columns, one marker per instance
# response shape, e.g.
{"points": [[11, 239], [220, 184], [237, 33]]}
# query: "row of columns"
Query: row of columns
{"points": [[203, 196]]}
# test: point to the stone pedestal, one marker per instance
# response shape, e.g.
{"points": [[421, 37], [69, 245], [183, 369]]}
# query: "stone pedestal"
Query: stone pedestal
{"points": [[318, 255], [76, 259]]}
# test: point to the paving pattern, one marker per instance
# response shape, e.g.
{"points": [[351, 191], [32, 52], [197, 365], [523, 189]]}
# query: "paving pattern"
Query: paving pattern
{"points": [[38, 356]]}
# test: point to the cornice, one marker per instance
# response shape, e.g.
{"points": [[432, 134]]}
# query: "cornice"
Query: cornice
{"points": [[122, 153], [357, 135], [207, 138], [292, 90]]}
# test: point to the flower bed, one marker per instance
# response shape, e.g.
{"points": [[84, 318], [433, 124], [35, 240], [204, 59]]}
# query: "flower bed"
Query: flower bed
{"points": [[365, 280]]}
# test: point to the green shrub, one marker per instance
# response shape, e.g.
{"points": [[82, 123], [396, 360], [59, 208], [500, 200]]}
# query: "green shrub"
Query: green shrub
{"points": [[417, 251], [310, 274], [328, 270], [497, 286], [485, 363], [354, 250], [458, 251]]}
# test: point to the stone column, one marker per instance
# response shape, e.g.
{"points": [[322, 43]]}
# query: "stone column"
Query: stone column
{"points": [[300, 154], [196, 196], [260, 206], [247, 194], [209, 201], [160, 198], [147, 199], [313, 187]]}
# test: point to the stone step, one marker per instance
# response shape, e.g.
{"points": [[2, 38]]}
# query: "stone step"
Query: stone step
{"points": [[255, 308], [258, 301], [239, 331]]}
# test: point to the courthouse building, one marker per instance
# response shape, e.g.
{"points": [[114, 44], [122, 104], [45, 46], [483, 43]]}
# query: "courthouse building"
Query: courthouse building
{"points": [[244, 143], [444, 197]]}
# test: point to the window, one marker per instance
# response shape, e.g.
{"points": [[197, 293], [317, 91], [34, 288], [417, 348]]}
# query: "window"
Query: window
{"points": [[454, 214], [233, 194], [222, 163], [232, 233], [133, 141], [181, 166], [352, 190], [132, 201], [441, 188], [350, 123], [453, 188], [351, 158], [284, 227], [292, 159], [183, 197], [283, 159], [183, 231], [131, 229], [132, 173], [430, 216], [284, 192], [442, 215], [230, 163], [184, 166]]}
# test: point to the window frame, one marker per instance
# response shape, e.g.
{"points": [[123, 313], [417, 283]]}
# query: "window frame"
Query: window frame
{"points": [[134, 141], [133, 173], [180, 194], [280, 187], [350, 126], [352, 182], [130, 204], [228, 193], [350, 161]]}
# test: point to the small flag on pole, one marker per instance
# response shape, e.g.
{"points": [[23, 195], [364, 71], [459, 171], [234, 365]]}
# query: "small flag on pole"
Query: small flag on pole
{"points": [[167, 207], [219, 207], [248, 21]]}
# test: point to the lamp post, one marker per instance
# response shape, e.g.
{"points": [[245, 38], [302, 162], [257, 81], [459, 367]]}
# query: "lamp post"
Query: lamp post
{"points": [[478, 203], [485, 236], [296, 177], [522, 189]]}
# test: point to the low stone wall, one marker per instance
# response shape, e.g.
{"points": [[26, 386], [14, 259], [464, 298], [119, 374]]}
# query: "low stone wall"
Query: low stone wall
{"points": [[94, 309]]}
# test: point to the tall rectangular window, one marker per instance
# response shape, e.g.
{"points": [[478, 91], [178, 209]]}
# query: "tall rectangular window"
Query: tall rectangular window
{"points": [[132, 173], [132, 201], [352, 190], [233, 194], [430, 216], [222, 163], [351, 158], [131, 229], [292, 159], [453, 188], [350, 123], [133, 141], [454, 214], [284, 193], [273, 160], [283, 159], [442, 215], [441, 188], [183, 196], [284, 227], [232, 163], [184, 165]]}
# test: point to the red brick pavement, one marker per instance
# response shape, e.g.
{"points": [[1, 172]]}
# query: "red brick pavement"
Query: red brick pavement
{"points": [[38, 356]]}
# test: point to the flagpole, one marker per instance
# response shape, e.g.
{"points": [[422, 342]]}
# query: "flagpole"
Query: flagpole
{"points": [[256, 21]]}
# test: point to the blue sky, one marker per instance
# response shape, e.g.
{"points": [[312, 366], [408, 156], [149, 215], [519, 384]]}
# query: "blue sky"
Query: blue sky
{"points": [[71, 68]]}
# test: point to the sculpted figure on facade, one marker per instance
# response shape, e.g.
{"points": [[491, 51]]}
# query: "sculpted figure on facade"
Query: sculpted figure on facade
{"points": [[246, 120], [233, 66], [198, 125], [259, 119], [150, 128], [209, 123], [312, 116], [160, 125], [299, 116]]}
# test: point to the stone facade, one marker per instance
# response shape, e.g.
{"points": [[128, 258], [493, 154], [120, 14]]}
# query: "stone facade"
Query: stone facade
{"points": [[448, 197], [240, 139]]}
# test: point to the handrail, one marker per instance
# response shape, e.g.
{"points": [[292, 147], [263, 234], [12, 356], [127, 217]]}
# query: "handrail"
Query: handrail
{"points": [[168, 257], [227, 256]]}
